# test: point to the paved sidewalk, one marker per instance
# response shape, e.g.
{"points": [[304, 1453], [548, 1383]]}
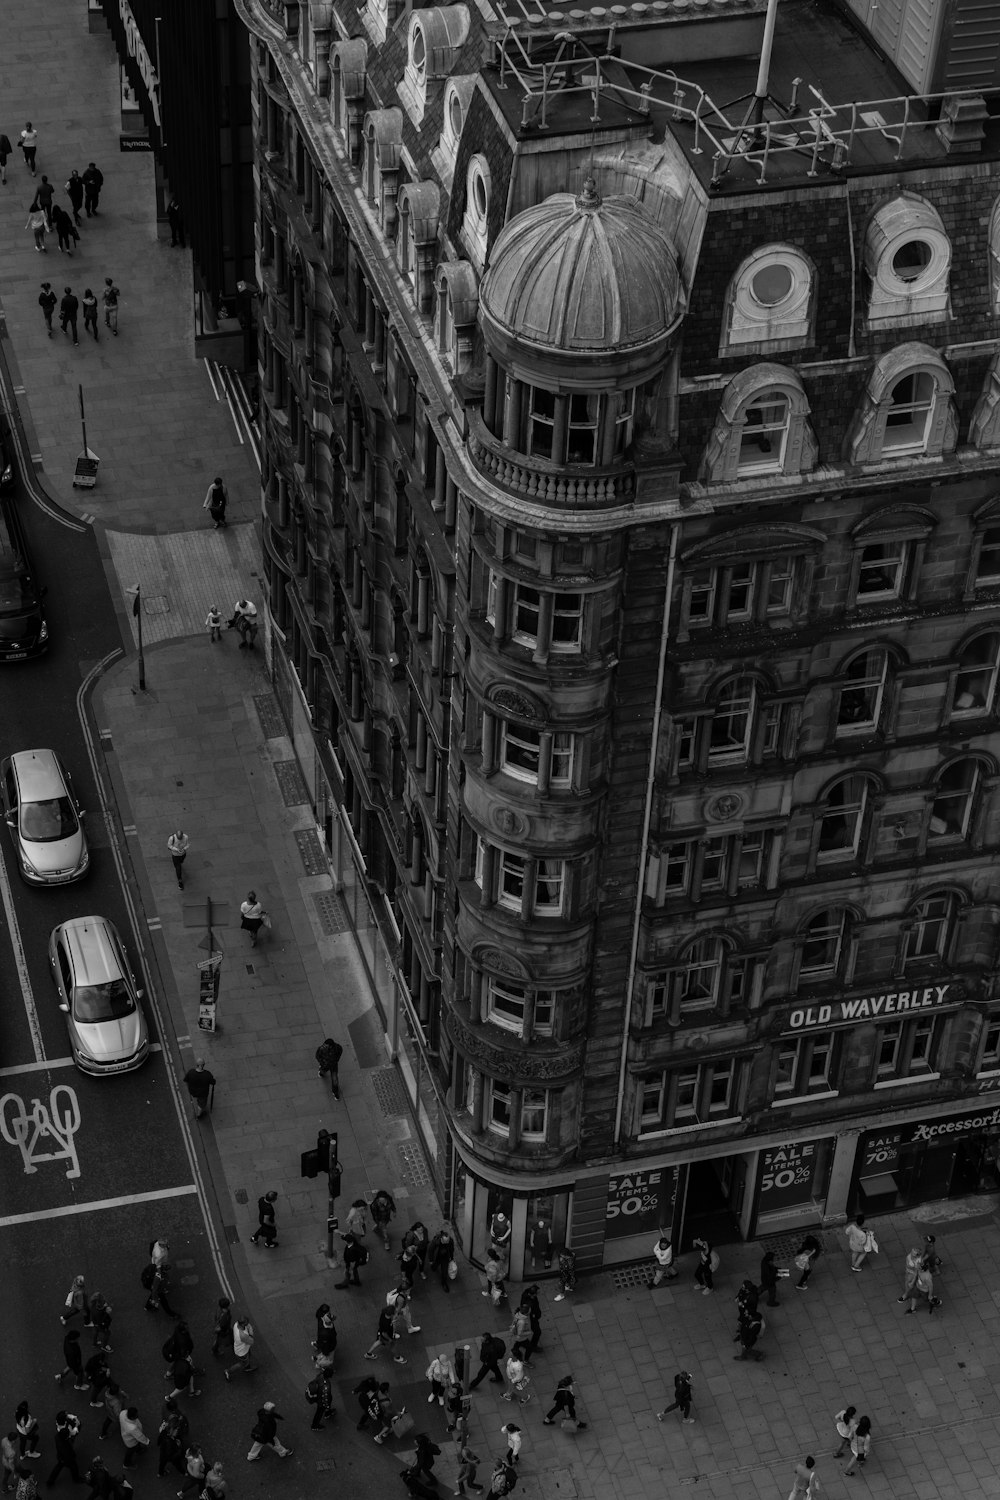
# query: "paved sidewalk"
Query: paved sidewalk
{"points": [[204, 748]]}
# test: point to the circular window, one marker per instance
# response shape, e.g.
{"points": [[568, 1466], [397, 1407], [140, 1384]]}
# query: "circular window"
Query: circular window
{"points": [[455, 115], [480, 195], [772, 284], [418, 50], [911, 260]]}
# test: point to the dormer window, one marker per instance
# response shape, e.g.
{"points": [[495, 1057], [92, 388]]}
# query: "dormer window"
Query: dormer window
{"points": [[908, 408], [457, 98], [475, 220], [762, 427], [908, 262], [770, 301], [434, 39]]}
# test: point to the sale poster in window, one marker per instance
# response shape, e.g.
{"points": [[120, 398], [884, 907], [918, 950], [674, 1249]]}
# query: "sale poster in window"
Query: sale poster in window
{"points": [[787, 1173], [640, 1202]]}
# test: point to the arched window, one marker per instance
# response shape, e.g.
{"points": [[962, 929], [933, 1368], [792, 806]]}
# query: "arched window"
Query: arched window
{"points": [[889, 547], [769, 303], [843, 820], [976, 678], [709, 975], [953, 806], [930, 928], [826, 945], [762, 427], [741, 726], [908, 408], [863, 692], [732, 723], [907, 262], [476, 218]]}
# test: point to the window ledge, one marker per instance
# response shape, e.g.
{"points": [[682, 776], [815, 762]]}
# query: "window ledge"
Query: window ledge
{"points": [[687, 1129], [900, 1083], [989, 1073], [779, 1100]]}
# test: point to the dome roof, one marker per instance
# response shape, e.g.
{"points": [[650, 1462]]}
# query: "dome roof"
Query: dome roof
{"points": [[579, 275]]}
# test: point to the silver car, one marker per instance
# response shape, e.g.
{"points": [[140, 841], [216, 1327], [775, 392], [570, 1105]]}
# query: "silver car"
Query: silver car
{"points": [[44, 818], [98, 996]]}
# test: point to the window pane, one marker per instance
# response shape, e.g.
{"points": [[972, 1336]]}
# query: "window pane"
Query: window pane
{"points": [[526, 606], [787, 1066], [923, 1046], [730, 732], [819, 1065], [677, 859], [583, 426], [765, 424], [881, 570], [534, 1110], [861, 695], [703, 586], [928, 936], [988, 566], [951, 812], [511, 887], [888, 1048], [567, 614], [505, 1003], [991, 1046], [976, 678], [840, 824], [687, 1091], [651, 1102], [823, 943], [908, 418], [721, 1090], [498, 1116], [562, 759], [545, 1009], [740, 591], [779, 587], [698, 978], [549, 886], [751, 867], [714, 863], [519, 748], [542, 409]]}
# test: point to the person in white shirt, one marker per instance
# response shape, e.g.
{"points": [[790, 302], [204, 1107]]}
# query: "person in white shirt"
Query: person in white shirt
{"points": [[663, 1254], [28, 141], [178, 843]]}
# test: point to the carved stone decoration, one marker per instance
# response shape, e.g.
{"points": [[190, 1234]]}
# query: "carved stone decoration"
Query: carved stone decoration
{"points": [[724, 808], [509, 823], [541, 1062], [498, 962], [514, 701]]}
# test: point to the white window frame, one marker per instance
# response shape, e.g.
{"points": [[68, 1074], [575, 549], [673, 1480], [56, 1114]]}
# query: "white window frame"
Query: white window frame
{"points": [[499, 1098], [939, 827], [752, 319], [989, 548], [835, 935], [858, 807], [532, 1100], [872, 441], [914, 1043], [659, 1107], [475, 219], [900, 295], [989, 1049], [512, 871], [796, 1075], [774, 411], [899, 553], [929, 929], [528, 1010], [966, 691], [734, 752], [872, 682], [917, 402]]}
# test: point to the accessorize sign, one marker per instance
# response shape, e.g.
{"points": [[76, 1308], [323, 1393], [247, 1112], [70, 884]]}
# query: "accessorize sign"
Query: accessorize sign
{"points": [[881, 1148], [868, 1007]]}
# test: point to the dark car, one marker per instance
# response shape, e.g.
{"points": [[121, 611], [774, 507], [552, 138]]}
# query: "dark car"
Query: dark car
{"points": [[23, 631]]}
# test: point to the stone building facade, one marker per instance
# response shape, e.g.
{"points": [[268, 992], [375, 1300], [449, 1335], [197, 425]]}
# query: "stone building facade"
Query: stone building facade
{"points": [[632, 539]]}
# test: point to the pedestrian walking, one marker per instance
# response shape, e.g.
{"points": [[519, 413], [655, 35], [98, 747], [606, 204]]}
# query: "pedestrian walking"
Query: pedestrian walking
{"points": [[356, 1223], [914, 1261], [132, 1434], [73, 1355], [663, 1261], [195, 1469], [93, 181], [806, 1257], [69, 306], [215, 501], [65, 229], [513, 1435], [858, 1238], [518, 1381], [77, 1302], [567, 1274], [100, 1316], [399, 1302], [36, 223], [44, 194], [750, 1329], [491, 1351], [368, 1391], [457, 1407], [114, 1399], [74, 187], [423, 1459], [27, 1432], [222, 1326], [328, 1055], [176, 221], [265, 1433], [171, 1440], [252, 917], [532, 1306], [861, 1445], [746, 1297], [319, 1392], [519, 1333], [540, 1244], [8, 1458], [182, 1374], [5, 150], [494, 1268], [466, 1478], [267, 1229], [564, 1400], [28, 141], [769, 1279], [215, 1483], [383, 1210], [932, 1260], [846, 1423], [441, 1373], [243, 1342], [67, 1431], [27, 1485], [442, 1255], [385, 1335], [805, 1484], [409, 1264], [90, 314], [214, 622], [355, 1255], [47, 302], [178, 844], [110, 297], [200, 1084], [102, 1486], [325, 1341], [155, 1278], [708, 1264], [923, 1287], [504, 1478], [417, 1240], [97, 1373], [683, 1396]]}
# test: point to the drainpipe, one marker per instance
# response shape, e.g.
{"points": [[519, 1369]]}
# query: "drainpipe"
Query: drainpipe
{"points": [[661, 672]]}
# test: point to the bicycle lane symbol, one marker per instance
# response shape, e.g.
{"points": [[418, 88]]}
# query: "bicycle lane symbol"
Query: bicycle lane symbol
{"points": [[31, 1130]]}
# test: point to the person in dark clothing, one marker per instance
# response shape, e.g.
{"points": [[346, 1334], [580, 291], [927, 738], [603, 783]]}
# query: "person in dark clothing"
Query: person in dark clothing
{"points": [[325, 1341], [100, 1312], [442, 1253], [806, 1257], [43, 197], [67, 1427], [682, 1398], [69, 308], [563, 1400], [47, 302], [93, 181], [383, 1209], [423, 1459], [171, 1440], [73, 1355], [176, 221], [319, 1392], [769, 1278], [97, 1372], [417, 1239], [90, 314], [746, 1297], [328, 1055], [491, 1352], [74, 187], [266, 1227], [265, 1433], [158, 1284], [751, 1327], [180, 1344], [114, 1402], [531, 1304], [367, 1391], [102, 1485], [65, 229], [355, 1255], [200, 1083], [222, 1327]]}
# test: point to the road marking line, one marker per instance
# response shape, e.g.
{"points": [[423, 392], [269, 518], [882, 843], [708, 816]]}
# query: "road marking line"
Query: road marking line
{"points": [[21, 963], [54, 1062], [8, 1221]]}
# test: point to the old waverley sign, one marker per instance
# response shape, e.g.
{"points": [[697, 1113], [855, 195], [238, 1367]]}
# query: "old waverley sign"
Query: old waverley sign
{"points": [[870, 1007]]}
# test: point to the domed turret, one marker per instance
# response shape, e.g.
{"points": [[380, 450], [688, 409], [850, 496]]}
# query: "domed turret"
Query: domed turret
{"points": [[583, 275]]}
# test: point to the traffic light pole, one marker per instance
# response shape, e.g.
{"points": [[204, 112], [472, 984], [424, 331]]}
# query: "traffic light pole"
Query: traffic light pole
{"points": [[324, 1158]]}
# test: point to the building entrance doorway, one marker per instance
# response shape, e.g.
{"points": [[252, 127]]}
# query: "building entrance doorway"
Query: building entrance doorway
{"points": [[713, 1200]]}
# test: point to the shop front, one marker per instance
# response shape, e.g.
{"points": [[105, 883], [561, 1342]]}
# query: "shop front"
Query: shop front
{"points": [[919, 1160]]}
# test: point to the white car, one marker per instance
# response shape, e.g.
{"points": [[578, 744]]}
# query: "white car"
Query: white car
{"points": [[98, 996], [44, 818]]}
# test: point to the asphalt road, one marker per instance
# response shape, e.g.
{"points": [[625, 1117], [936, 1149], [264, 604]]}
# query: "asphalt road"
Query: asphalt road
{"points": [[100, 1166]]}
